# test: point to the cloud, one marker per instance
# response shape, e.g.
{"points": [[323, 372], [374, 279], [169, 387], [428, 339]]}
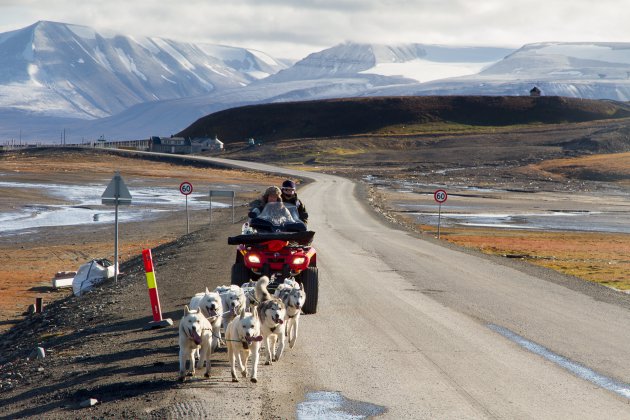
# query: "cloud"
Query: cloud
{"points": [[289, 28]]}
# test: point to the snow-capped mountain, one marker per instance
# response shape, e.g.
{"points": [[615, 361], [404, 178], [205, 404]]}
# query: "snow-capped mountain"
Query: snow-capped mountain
{"points": [[409, 62], [58, 78], [583, 70], [63, 70]]}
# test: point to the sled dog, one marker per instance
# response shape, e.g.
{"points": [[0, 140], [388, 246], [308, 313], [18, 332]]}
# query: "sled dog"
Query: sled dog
{"points": [[249, 290], [194, 331], [233, 300], [211, 307], [293, 297], [272, 312], [243, 339]]}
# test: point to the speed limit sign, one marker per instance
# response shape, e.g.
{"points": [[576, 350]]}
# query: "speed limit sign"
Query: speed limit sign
{"points": [[440, 196], [185, 188]]}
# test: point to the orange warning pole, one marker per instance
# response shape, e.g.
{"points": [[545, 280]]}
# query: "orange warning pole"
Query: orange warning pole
{"points": [[153, 292]]}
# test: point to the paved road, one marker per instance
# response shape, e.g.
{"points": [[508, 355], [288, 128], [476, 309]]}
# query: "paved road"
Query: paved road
{"points": [[431, 332]]}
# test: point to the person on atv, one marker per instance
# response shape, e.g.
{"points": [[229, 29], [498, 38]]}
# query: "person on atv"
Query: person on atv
{"points": [[270, 214], [259, 204], [289, 195]]}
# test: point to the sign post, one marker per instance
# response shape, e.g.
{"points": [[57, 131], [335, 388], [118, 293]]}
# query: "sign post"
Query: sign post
{"points": [[440, 196], [116, 194], [186, 188], [219, 193]]}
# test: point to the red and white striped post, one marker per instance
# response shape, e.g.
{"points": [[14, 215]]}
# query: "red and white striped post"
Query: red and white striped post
{"points": [[157, 322]]}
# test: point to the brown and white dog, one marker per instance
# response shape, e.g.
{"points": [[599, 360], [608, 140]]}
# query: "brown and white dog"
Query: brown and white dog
{"points": [[243, 339], [272, 312], [293, 297], [195, 332]]}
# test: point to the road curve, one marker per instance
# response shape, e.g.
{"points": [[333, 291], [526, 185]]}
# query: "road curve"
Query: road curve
{"points": [[431, 332]]}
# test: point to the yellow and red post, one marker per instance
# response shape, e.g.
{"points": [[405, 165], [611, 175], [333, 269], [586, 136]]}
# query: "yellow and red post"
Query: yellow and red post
{"points": [[151, 283]]}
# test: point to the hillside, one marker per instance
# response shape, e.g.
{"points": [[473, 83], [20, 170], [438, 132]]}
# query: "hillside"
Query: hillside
{"points": [[395, 115]]}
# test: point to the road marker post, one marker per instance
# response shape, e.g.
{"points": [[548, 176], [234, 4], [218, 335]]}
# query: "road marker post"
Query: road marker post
{"points": [[157, 322], [39, 305]]}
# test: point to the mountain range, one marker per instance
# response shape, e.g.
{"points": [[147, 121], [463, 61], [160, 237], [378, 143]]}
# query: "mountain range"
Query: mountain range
{"points": [[70, 83]]}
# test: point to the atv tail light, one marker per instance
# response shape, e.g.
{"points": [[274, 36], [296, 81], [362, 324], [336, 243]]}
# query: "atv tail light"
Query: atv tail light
{"points": [[254, 259], [299, 260]]}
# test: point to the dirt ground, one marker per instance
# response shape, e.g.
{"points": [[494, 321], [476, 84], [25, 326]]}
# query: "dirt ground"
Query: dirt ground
{"points": [[98, 346], [28, 262]]}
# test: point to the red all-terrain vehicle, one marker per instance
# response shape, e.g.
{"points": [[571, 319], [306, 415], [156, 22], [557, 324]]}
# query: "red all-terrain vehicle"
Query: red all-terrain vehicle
{"points": [[277, 244]]}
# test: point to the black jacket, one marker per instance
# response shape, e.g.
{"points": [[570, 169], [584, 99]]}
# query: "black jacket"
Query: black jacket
{"points": [[300, 206]]}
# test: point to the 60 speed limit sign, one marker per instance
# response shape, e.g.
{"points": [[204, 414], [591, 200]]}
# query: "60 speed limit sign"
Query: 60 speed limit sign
{"points": [[185, 188], [440, 196]]}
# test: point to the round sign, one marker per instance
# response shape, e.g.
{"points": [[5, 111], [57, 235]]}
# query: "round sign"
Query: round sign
{"points": [[440, 196], [185, 188]]}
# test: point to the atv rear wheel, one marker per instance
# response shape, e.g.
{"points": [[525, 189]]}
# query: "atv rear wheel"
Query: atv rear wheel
{"points": [[240, 274], [310, 282]]}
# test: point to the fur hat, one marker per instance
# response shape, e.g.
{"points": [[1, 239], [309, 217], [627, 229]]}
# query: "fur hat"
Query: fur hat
{"points": [[273, 190], [288, 184]]}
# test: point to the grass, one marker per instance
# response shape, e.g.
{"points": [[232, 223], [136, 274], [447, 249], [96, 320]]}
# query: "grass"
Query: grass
{"points": [[441, 128], [602, 258], [605, 166]]}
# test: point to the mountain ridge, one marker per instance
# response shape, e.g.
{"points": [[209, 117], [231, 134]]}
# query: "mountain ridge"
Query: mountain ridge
{"points": [[378, 115], [85, 74], [89, 84]]}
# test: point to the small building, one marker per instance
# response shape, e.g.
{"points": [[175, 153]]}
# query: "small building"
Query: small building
{"points": [[177, 145], [208, 144], [534, 91]]}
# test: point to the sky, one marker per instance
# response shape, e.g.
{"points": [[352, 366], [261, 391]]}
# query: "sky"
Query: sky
{"points": [[295, 28]]}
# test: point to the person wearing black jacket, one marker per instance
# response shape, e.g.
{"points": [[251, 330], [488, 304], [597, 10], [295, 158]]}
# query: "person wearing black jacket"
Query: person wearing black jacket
{"points": [[289, 195]]}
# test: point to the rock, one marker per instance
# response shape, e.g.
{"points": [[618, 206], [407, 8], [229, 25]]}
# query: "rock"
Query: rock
{"points": [[91, 402], [38, 353]]}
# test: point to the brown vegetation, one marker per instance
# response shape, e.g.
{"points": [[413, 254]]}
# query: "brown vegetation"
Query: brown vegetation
{"points": [[396, 115], [599, 257], [29, 262]]}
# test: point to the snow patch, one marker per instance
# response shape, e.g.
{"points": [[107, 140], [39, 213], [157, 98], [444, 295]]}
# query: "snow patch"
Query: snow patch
{"points": [[146, 43], [101, 58], [257, 74], [167, 48], [264, 58], [168, 80], [425, 70], [32, 70], [129, 64], [217, 70], [588, 52], [84, 32]]}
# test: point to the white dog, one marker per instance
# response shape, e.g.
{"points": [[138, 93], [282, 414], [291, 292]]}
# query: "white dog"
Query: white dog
{"points": [[272, 312], [293, 297], [211, 307], [243, 339], [194, 331], [233, 300], [249, 290]]}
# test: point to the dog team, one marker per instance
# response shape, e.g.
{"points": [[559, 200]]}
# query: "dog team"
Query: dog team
{"points": [[248, 315]]}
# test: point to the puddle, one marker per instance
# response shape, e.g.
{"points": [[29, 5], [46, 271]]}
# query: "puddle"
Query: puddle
{"points": [[333, 405], [84, 206]]}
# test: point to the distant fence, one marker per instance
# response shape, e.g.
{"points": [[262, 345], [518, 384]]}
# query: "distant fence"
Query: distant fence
{"points": [[96, 144]]}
